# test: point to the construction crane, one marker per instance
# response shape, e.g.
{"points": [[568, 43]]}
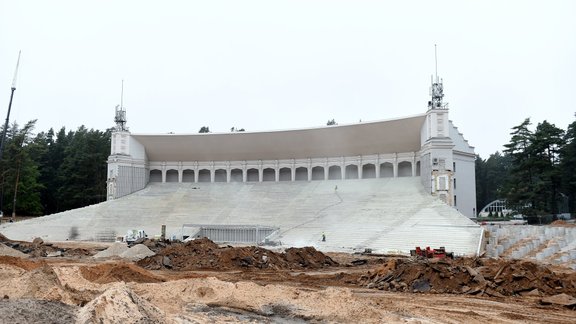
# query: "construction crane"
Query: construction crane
{"points": [[8, 119]]}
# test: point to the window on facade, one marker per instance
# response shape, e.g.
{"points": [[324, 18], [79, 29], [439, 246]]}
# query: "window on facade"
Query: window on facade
{"points": [[455, 202], [454, 166], [442, 183], [454, 183]]}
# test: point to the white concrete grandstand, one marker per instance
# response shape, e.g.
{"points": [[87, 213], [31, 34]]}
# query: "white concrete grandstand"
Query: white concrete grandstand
{"points": [[385, 185], [385, 215]]}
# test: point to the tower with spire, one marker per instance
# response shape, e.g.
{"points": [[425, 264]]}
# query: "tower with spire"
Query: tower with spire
{"points": [[437, 145], [127, 159]]}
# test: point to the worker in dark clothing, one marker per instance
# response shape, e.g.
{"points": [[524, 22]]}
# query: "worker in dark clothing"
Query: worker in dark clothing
{"points": [[323, 237]]}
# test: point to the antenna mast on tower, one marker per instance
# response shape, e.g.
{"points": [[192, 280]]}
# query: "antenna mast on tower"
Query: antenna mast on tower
{"points": [[120, 118], [436, 61], [437, 88]]}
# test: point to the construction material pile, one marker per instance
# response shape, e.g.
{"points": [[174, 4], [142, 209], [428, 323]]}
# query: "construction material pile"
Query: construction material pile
{"points": [[492, 277], [38, 248], [205, 254], [121, 250]]}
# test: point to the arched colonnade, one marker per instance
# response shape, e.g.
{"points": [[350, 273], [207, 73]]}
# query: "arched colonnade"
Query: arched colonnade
{"points": [[398, 165]]}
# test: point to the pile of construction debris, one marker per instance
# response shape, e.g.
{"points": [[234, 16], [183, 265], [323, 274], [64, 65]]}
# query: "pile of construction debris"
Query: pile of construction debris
{"points": [[477, 276], [38, 248], [205, 254]]}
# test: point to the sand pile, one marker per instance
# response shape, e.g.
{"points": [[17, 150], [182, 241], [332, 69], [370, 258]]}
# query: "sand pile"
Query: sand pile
{"points": [[119, 249], [137, 252], [205, 254], [120, 304], [40, 283], [470, 276], [114, 250]]}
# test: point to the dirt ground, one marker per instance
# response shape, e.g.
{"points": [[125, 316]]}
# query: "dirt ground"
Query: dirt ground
{"points": [[202, 282]]}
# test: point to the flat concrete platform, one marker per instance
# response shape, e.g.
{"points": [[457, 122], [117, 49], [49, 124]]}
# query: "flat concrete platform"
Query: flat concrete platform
{"points": [[385, 215]]}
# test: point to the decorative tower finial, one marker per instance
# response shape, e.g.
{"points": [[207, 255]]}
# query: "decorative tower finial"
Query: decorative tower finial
{"points": [[437, 89], [120, 117]]}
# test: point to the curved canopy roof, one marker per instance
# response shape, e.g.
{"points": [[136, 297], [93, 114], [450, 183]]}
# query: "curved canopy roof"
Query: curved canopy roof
{"points": [[387, 136]]}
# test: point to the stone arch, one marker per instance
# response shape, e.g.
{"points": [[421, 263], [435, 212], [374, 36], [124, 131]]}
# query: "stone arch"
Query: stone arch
{"points": [[351, 171], [368, 171], [285, 174], [188, 175], [418, 168], [405, 169], [386, 170], [268, 174], [204, 176], [252, 175], [220, 175], [172, 175], [155, 176], [236, 175], [301, 174], [334, 172], [318, 173]]}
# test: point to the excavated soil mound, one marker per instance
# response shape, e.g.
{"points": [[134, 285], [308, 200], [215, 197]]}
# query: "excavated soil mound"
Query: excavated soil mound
{"points": [[205, 254], [492, 277], [21, 263], [113, 272], [562, 223], [308, 257]]}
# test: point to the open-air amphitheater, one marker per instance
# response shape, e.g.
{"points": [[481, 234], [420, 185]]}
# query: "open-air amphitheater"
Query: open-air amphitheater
{"points": [[385, 186]]}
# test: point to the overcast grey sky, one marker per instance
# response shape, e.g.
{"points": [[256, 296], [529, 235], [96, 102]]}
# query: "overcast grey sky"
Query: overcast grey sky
{"points": [[264, 65]]}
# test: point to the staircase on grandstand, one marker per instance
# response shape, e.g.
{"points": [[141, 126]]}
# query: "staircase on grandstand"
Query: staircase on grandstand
{"points": [[386, 215]]}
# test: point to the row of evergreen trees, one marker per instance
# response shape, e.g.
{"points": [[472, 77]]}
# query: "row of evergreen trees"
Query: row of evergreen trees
{"points": [[536, 173], [51, 172]]}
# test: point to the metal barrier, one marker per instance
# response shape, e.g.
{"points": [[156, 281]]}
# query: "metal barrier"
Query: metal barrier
{"points": [[229, 233]]}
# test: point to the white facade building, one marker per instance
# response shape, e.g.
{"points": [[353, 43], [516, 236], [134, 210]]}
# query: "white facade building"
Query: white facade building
{"points": [[428, 146]]}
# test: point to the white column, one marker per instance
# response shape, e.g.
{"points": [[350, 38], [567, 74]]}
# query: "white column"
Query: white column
{"points": [[260, 172], [212, 172], [360, 166], [180, 171], [277, 171], [377, 166]]}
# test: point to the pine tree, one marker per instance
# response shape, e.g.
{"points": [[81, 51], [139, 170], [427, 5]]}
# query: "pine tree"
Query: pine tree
{"points": [[568, 166], [546, 144], [520, 186]]}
